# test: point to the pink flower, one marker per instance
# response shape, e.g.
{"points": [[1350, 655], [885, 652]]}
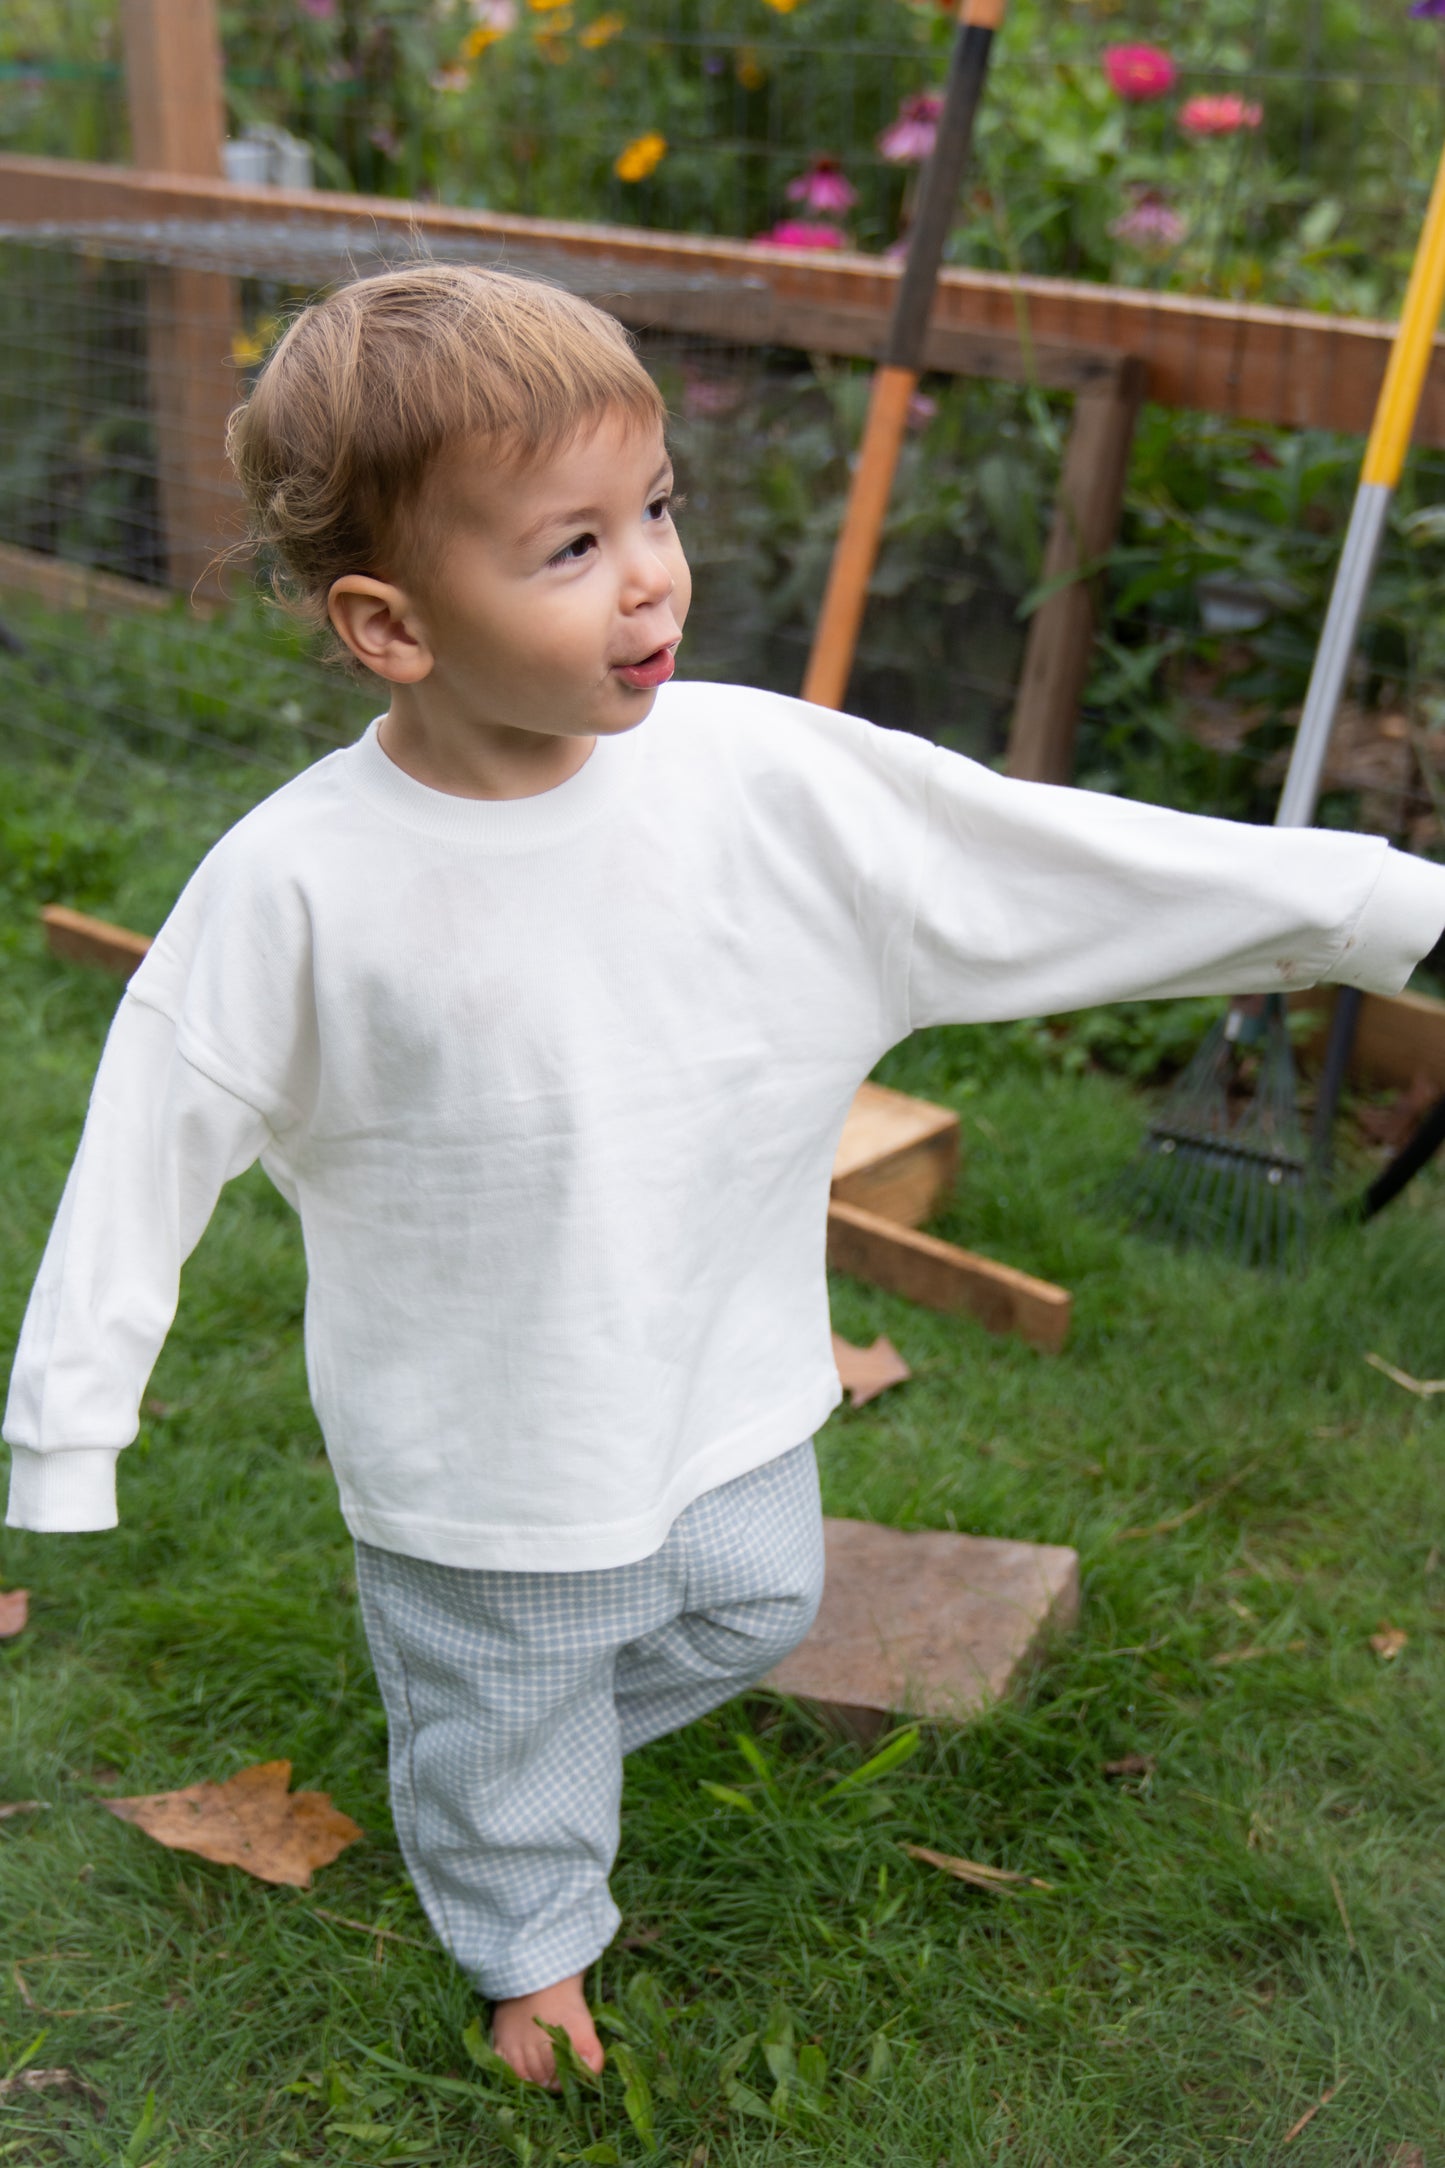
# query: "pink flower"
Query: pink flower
{"points": [[1138, 72], [1223, 115], [921, 410], [320, 11], [1149, 223], [824, 187], [908, 140], [803, 233]]}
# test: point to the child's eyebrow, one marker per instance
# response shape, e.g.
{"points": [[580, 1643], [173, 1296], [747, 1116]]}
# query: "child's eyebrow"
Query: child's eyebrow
{"points": [[580, 514]]}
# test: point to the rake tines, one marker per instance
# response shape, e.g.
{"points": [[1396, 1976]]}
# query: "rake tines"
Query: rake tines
{"points": [[1225, 1162]]}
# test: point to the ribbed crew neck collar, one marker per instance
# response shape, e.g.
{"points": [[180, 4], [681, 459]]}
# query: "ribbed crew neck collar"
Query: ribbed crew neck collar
{"points": [[504, 824]]}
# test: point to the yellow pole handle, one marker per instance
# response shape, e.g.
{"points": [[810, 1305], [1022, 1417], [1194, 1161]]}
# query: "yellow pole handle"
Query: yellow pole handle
{"points": [[1414, 343]]}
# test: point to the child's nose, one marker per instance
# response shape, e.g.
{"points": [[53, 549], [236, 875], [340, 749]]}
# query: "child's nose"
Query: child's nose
{"points": [[650, 578]]}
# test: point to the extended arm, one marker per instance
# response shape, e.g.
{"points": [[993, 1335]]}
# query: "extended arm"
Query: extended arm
{"points": [[160, 1140], [1034, 900]]}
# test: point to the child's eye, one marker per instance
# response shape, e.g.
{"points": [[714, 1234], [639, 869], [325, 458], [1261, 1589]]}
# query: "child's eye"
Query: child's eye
{"points": [[572, 553], [662, 506]]}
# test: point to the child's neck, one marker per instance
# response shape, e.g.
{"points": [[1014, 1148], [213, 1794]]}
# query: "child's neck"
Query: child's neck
{"points": [[483, 761]]}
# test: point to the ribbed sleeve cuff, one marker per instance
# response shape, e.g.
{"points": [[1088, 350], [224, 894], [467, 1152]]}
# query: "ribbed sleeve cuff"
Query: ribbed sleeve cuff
{"points": [[69, 1492], [1401, 923]]}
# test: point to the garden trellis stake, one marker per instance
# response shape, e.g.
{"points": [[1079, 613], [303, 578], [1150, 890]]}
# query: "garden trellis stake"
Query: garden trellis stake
{"points": [[894, 383], [1226, 1160]]}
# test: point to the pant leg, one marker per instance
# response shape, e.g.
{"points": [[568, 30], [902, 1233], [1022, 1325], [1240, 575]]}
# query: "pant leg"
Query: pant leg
{"points": [[505, 1753], [752, 1555]]}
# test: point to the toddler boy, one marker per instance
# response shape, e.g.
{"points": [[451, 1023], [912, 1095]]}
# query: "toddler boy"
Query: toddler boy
{"points": [[544, 1004]]}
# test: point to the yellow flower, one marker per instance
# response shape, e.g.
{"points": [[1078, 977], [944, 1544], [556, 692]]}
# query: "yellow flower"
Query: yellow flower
{"points": [[779, 7], [602, 31], [476, 41], [246, 349], [552, 47], [643, 155], [545, 7], [749, 73]]}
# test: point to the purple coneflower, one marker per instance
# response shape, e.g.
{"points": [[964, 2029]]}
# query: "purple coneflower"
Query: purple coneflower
{"points": [[824, 187], [908, 140], [1149, 223]]}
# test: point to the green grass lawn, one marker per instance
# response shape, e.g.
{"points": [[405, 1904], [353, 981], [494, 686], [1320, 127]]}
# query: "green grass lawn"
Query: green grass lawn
{"points": [[1254, 1917]]}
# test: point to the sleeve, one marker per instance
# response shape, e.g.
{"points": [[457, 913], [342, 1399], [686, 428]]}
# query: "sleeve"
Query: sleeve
{"points": [[160, 1139], [1033, 899]]}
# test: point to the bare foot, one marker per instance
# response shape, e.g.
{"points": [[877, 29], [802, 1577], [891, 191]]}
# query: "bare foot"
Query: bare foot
{"points": [[518, 2037]]}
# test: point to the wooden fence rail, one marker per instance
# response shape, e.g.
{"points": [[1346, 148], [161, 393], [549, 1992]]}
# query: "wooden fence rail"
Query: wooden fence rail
{"points": [[1282, 366]]}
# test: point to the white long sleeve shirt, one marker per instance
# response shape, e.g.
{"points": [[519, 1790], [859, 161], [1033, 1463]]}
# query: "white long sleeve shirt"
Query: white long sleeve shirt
{"points": [[555, 1084]]}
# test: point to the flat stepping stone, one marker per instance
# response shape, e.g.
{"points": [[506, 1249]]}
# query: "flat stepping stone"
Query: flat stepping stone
{"points": [[927, 1623]]}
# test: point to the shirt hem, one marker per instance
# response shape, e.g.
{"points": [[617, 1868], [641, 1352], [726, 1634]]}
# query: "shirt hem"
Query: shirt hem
{"points": [[533, 1549]]}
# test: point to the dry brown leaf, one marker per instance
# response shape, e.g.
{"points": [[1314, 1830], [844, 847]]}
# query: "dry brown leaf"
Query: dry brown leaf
{"points": [[865, 1372], [51, 2081], [1388, 1642], [1403, 2156], [973, 1871], [252, 1821], [1310, 2113], [14, 1612], [21, 1806], [1130, 1765]]}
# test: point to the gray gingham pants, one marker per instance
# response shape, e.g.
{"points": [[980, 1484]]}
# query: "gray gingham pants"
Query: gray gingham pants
{"points": [[511, 1699]]}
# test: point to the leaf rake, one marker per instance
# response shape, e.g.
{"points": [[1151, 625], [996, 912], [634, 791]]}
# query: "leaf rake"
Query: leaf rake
{"points": [[1226, 1163]]}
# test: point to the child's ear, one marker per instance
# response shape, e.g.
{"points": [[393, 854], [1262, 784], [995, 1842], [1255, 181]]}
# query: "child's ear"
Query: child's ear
{"points": [[378, 624]]}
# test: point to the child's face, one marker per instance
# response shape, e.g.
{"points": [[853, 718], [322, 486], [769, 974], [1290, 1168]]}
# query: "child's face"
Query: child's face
{"points": [[558, 599]]}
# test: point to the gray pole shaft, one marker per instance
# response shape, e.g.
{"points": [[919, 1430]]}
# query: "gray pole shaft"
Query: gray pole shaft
{"points": [[1301, 791]]}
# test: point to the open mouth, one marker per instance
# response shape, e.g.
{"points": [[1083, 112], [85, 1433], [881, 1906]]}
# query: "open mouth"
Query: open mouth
{"points": [[654, 669]]}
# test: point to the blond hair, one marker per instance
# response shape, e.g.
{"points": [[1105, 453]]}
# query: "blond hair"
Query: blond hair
{"points": [[372, 385]]}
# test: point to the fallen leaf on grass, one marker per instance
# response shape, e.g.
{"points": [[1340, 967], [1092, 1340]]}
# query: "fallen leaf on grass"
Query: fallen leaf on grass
{"points": [[973, 1871], [21, 1806], [1130, 1765], [1248, 1655], [1424, 1387], [1310, 2113], [1388, 1642], [14, 1612], [251, 1821], [51, 2081], [1403, 2156], [865, 1372]]}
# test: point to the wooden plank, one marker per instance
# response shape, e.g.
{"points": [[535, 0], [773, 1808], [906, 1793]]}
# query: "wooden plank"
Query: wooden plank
{"points": [[1283, 366], [1398, 1037], [897, 1155], [941, 1277], [64, 586], [83, 940], [174, 86], [1086, 525]]}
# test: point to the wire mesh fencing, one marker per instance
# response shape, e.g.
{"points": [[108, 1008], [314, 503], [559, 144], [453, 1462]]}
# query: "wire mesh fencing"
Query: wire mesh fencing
{"points": [[127, 636]]}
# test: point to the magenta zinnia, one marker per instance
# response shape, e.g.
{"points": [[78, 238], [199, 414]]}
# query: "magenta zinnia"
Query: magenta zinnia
{"points": [[1139, 72], [802, 233]]}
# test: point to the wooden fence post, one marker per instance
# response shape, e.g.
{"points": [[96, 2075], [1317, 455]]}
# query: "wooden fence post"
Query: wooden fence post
{"points": [[1086, 523], [175, 92]]}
